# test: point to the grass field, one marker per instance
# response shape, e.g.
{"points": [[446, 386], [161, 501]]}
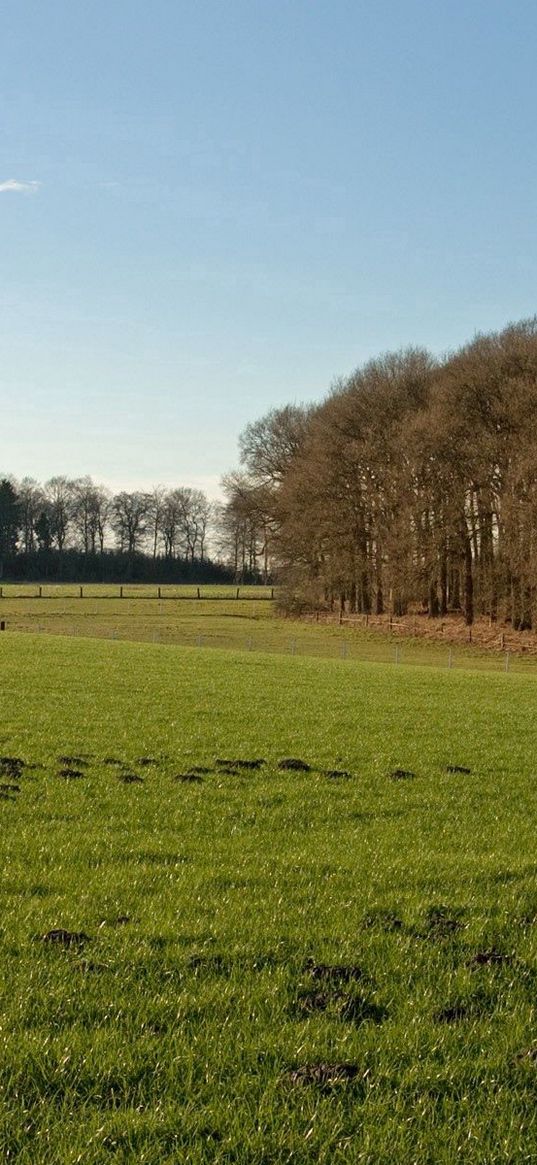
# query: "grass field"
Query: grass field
{"points": [[260, 965], [219, 619], [128, 591]]}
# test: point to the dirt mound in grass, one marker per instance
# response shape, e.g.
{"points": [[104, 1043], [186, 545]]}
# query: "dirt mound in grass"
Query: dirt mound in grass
{"points": [[490, 958], [401, 775], [12, 766], [456, 1013], [257, 763], [65, 938], [311, 1001], [334, 972], [442, 922], [294, 765]]}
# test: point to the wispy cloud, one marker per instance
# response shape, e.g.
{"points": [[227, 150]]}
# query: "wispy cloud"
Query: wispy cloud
{"points": [[14, 186]]}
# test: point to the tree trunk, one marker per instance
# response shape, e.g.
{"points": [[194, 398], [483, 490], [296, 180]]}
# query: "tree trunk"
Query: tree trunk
{"points": [[432, 603], [443, 582], [468, 582]]}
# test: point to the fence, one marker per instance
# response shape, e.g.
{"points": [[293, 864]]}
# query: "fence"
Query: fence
{"points": [[484, 633], [380, 650], [137, 591]]}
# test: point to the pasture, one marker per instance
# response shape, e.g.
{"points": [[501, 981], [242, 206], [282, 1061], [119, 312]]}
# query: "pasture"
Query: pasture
{"points": [[218, 618], [211, 958]]}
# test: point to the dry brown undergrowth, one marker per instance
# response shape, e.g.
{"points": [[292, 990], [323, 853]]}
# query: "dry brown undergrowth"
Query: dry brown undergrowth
{"points": [[496, 636]]}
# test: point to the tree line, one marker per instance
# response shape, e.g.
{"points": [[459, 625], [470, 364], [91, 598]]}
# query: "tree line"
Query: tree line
{"points": [[413, 485], [75, 528]]}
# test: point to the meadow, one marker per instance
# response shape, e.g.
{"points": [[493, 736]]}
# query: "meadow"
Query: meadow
{"points": [[230, 617], [208, 957]]}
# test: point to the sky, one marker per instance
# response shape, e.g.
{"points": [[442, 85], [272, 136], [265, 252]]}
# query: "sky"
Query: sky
{"points": [[211, 208]]}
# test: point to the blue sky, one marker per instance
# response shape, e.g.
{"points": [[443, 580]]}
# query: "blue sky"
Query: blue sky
{"points": [[212, 207]]}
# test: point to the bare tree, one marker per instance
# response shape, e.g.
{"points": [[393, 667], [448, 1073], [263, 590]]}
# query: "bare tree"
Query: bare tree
{"points": [[170, 523], [31, 502], [241, 526], [269, 446], [59, 498], [192, 511], [156, 509], [90, 504], [101, 511], [129, 517], [200, 513]]}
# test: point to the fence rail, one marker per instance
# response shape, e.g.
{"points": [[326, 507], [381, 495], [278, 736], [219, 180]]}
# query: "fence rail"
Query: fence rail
{"points": [[132, 591], [346, 650], [483, 634]]}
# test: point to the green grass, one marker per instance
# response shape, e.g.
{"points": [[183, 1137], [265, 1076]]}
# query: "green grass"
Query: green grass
{"points": [[218, 619], [135, 591], [171, 1037]]}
